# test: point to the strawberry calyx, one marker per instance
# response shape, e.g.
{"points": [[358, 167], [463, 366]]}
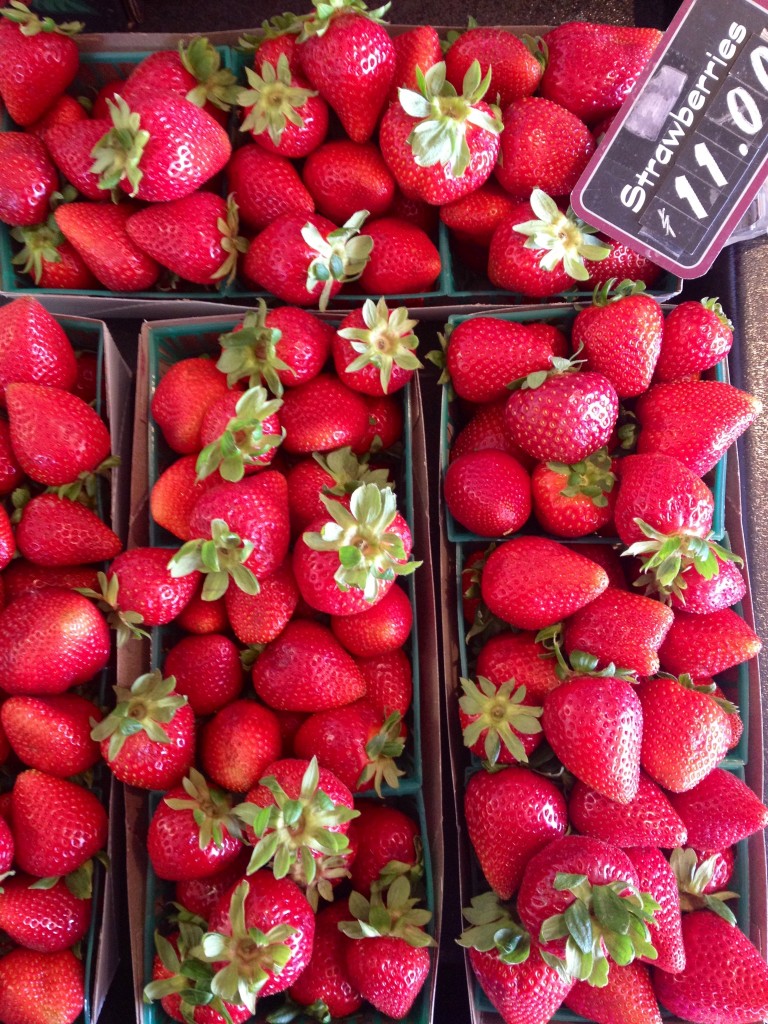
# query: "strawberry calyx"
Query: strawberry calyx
{"points": [[440, 137], [190, 978], [292, 830], [243, 443], [285, 24], [393, 869], [349, 472], [693, 878], [708, 689], [211, 809], [592, 477], [231, 242], [666, 558], [713, 305], [341, 256], [291, 1010], [387, 340], [456, 33], [149, 703], [328, 869], [273, 100], [79, 882], [217, 85], [119, 151], [219, 558], [613, 290], [537, 46], [564, 237], [127, 624], [40, 242], [498, 712], [392, 911], [250, 655], [368, 553], [604, 921], [84, 487], [560, 365], [251, 956], [439, 358], [251, 352], [492, 927], [381, 750], [31, 25], [578, 663], [318, 23]]}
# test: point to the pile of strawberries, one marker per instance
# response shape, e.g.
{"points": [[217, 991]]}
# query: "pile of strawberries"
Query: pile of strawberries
{"points": [[347, 142], [54, 649]]}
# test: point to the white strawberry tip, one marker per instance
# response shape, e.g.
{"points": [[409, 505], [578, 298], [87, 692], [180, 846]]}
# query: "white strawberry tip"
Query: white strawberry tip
{"points": [[342, 256], [148, 704], [251, 352], [693, 878], [440, 137], [243, 444], [499, 713], [493, 928], [563, 237], [220, 558], [392, 912], [273, 100], [386, 341]]}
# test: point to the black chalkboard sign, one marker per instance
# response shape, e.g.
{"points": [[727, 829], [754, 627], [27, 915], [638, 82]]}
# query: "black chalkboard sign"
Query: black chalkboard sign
{"points": [[686, 154]]}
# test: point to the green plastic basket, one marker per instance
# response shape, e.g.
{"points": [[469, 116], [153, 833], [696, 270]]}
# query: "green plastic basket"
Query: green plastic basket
{"points": [[560, 316]]}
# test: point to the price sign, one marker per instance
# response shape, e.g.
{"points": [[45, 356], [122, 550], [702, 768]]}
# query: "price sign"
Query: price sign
{"points": [[687, 153]]}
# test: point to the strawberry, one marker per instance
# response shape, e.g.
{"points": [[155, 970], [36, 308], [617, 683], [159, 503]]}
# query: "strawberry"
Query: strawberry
{"points": [[282, 115], [29, 179], [241, 433], [647, 820], [175, 492], [515, 70], [45, 919], [55, 531], [687, 731], [717, 874], [532, 582], [41, 987], [57, 825], [697, 335], [517, 656], [343, 176], [207, 671], [66, 110], [325, 982], [21, 576], [594, 725], [440, 144], [404, 258], [606, 557], [487, 429], [50, 640], [719, 811], [52, 734], [11, 473], [419, 47], [306, 669], [388, 681], [725, 976], [574, 501], [38, 60], [238, 744], [384, 427], [349, 58], [542, 146], [656, 876], [7, 540], [621, 264], [373, 349], [49, 259], [627, 998], [195, 237], [488, 493], [621, 628], [6, 842], [70, 148], [591, 68], [202, 617], [704, 645], [511, 814], [259, 618], [620, 334], [303, 259], [266, 186], [182, 397], [387, 842], [97, 232], [278, 34], [694, 421], [34, 348], [384, 627], [700, 596], [474, 217], [160, 147], [140, 588]]}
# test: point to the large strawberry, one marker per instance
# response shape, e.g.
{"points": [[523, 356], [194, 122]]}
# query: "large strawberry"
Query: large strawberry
{"points": [[45, 919], [344, 176], [404, 258], [488, 492], [647, 820], [41, 987], [696, 336], [207, 671], [56, 531], [704, 645], [265, 186], [29, 179], [515, 70], [53, 733], [719, 811], [34, 348], [238, 744]]}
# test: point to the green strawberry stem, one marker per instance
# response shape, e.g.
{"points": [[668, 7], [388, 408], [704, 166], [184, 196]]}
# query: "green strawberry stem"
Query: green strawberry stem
{"points": [[190, 978], [211, 808], [386, 341], [218, 85], [612, 290], [220, 558], [395, 868], [290, 1011], [492, 927], [438, 357], [592, 477], [243, 444], [692, 880], [272, 101], [251, 352], [285, 24], [497, 712], [440, 136], [709, 689], [349, 472], [31, 25], [79, 882], [119, 151], [148, 704], [231, 242], [341, 256], [713, 305], [40, 242], [85, 487], [317, 24], [382, 750], [538, 48], [578, 663], [560, 366], [564, 237], [604, 921], [390, 911], [127, 624]]}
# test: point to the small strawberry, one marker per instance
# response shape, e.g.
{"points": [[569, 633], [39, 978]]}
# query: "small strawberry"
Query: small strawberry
{"points": [[517, 656], [697, 335], [719, 811], [238, 744], [207, 671], [474, 217], [384, 428], [266, 186], [704, 645], [388, 844], [388, 681], [656, 876], [177, 489], [34, 348], [384, 627], [70, 147], [182, 397], [52, 734], [701, 878], [515, 70], [404, 258], [7, 539], [37, 987], [29, 179], [200, 896], [282, 115], [627, 998], [55, 531], [374, 349], [344, 176], [324, 984], [41, 918], [606, 557], [647, 820], [202, 617], [574, 501], [259, 618], [488, 493], [240, 433]]}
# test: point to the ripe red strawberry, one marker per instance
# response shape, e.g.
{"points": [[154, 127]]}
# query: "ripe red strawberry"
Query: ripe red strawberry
{"points": [[49, 259], [404, 258], [694, 421], [41, 987], [325, 979], [97, 232], [181, 399], [532, 582], [306, 669], [52, 734], [57, 825], [488, 493], [38, 60], [388, 681], [7, 541], [663, 493], [382, 628], [719, 811], [656, 876], [180, 147], [195, 237], [417, 48], [620, 334], [306, 259], [55, 531], [515, 70], [66, 110], [238, 744], [29, 179], [606, 557], [141, 584], [487, 429], [278, 34], [70, 147], [725, 976], [594, 725], [343, 177], [700, 596], [11, 473], [415, 212], [687, 731], [201, 895], [175, 492], [350, 59], [475, 217], [47, 920], [259, 618], [696, 336], [384, 427], [207, 671], [542, 146], [373, 349], [266, 186], [591, 68], [437, 148], [573, 501], [511, 815], [647, 820], [704, 645], [50, 640], [621, 264], [383, 834], [517, 656], [34, 348], [627, 998], [6, 840], [21, 576], [202, 617], [281, 113]]}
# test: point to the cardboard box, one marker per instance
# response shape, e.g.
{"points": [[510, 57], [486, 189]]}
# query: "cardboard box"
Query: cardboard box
{"points": [[135, 657]]}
